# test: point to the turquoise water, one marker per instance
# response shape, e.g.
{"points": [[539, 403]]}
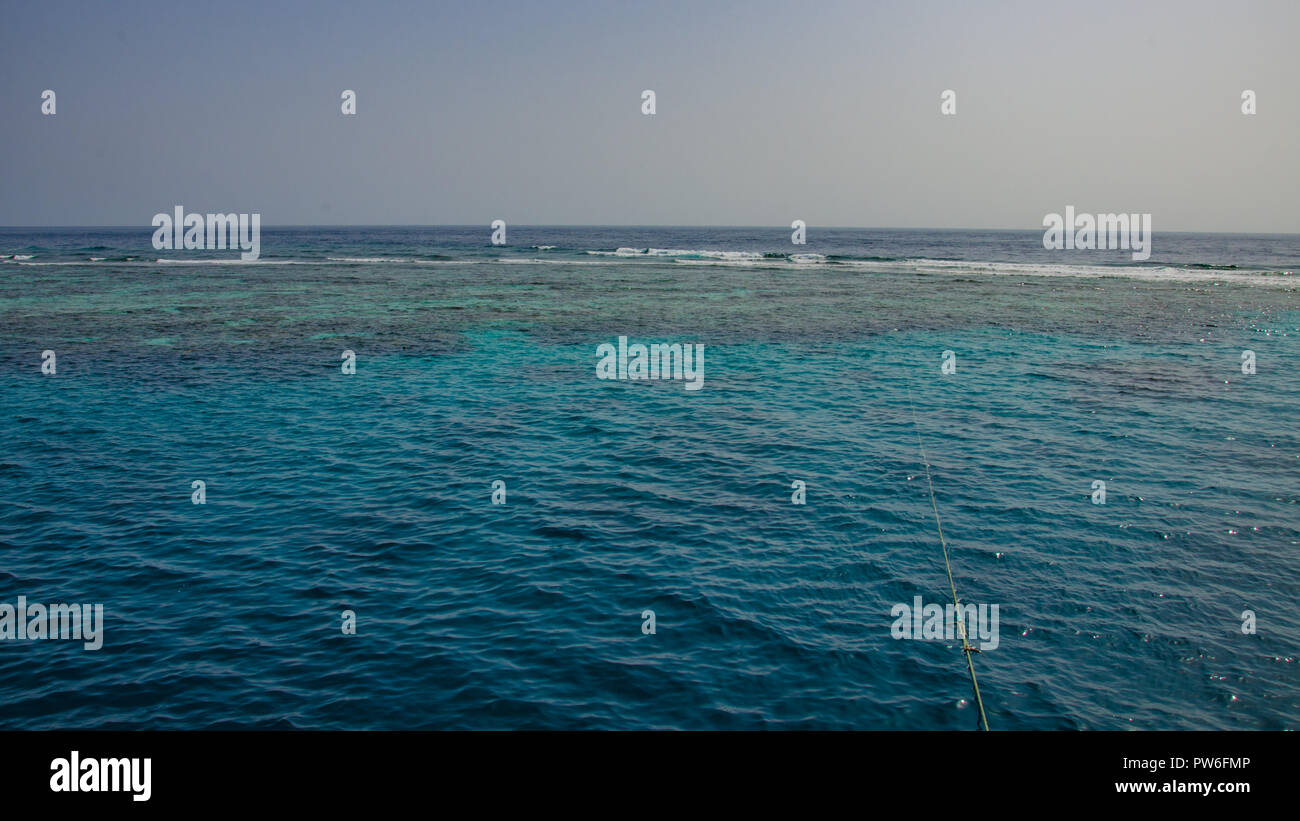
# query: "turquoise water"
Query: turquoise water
{"points": [[372, 492]]}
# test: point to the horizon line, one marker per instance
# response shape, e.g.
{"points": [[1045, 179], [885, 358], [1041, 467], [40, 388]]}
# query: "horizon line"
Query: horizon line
{"points": [[625, 225]]}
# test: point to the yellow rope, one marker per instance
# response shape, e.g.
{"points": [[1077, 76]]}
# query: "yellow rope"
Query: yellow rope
{"points": [[966, 647]]}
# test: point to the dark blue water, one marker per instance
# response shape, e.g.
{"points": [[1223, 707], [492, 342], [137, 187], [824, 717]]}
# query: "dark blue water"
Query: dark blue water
{"points": [[372, 492]]}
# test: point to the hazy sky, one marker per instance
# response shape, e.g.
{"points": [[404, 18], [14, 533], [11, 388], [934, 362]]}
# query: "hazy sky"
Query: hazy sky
{"points": [[767, 112]]}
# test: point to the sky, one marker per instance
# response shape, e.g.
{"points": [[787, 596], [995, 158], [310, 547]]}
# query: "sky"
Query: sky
{"points": [[766, 112]]}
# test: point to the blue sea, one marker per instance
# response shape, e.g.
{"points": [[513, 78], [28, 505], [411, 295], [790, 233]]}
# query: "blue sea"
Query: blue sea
{"points": [[373, 492]]}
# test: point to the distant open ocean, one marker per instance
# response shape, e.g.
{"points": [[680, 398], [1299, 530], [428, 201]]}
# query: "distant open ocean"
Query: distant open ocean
{"points": [[372, 492]]}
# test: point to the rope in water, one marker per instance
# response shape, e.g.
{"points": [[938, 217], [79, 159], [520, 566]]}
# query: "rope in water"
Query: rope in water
{"points": [[966, 646]]}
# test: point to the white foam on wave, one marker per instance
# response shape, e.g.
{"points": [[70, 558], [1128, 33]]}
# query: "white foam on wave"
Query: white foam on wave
{"points": [[770, 262], [90, 261], [678, 253], [750, 259], [621, 252], [238, 261], [536, 261], [1168, 273], [1040, 269]]}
